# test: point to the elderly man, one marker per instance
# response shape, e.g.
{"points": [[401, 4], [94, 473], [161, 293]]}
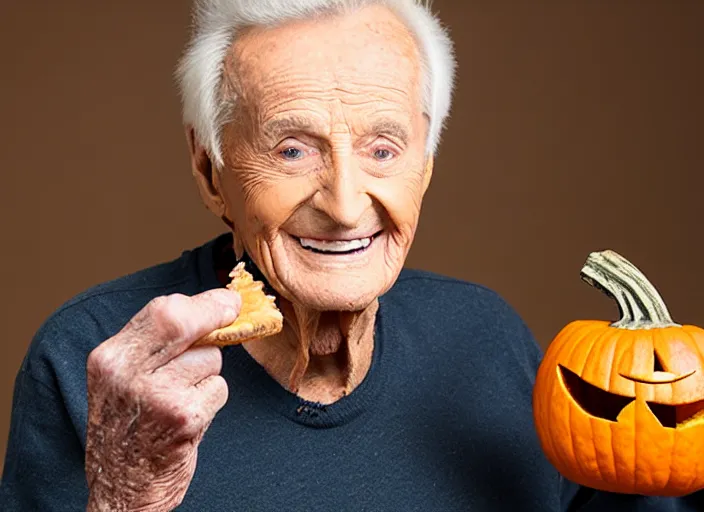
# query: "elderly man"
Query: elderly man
{"points": [[312, 126]]}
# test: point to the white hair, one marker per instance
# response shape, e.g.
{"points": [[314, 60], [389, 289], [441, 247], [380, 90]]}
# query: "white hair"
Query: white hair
{"points": [[216, 24]]}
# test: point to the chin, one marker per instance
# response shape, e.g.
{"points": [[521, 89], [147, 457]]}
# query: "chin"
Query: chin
{"points": [[332, 282], [335, 298], [328, 283]]}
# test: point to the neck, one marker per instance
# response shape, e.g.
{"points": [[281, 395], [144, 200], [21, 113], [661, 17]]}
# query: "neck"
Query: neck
{"points": [[320, 356]]}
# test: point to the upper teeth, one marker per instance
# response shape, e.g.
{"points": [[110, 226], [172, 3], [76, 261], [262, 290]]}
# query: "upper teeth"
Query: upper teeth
{"points": [[336, 245]]}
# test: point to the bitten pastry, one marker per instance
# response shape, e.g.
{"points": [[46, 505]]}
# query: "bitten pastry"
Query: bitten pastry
{"points": [[259, 317]]}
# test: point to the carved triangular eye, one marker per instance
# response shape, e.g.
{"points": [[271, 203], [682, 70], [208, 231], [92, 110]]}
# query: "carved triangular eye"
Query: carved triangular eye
{"points": [[593, 400], [657, 364], [673, 416], [666, 414]]}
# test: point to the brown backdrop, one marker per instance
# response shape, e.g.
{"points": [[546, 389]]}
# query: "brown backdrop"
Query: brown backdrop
{"points": [[577, 126]]}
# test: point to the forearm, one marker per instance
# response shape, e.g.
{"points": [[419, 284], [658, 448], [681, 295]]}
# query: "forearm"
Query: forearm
{"points": [[105, 503]]}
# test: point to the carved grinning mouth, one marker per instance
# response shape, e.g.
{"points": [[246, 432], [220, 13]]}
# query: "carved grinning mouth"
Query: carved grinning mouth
{"points": [[607, 406]]}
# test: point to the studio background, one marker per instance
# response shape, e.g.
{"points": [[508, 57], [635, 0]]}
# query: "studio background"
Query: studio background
{"points": [[576, 126]]}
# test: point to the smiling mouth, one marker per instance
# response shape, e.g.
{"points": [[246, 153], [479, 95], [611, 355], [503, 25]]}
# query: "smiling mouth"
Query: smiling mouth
{"points": [[607, 406], [337, 247]]}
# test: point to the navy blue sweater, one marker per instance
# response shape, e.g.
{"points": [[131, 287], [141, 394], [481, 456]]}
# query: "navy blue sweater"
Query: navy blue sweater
{"points": [[442, 422]]}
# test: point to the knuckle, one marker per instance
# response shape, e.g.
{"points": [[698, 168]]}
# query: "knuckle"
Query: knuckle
{"points": [[220, 386], [188, 420], [167, 315], [136, 391], [224, 297], [218, 306], [217, 391], [101, 363], [96, 360], [214, 359]]}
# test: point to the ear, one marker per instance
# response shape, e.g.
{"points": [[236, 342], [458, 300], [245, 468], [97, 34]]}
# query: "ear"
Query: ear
{"points": [[205, 175], [428, 173]]}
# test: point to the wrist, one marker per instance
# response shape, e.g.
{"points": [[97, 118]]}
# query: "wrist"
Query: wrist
{"points": [[96, 504]]}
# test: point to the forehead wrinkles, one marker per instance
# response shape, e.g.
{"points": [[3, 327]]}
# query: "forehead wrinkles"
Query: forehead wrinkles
{"points": [[313, 96], [331, 59]]}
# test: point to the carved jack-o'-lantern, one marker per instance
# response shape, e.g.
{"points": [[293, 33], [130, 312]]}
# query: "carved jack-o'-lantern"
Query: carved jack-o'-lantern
{"points": [[620, 407]]}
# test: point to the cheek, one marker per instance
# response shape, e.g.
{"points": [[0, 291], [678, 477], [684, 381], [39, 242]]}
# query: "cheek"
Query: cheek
{"points": [[263, 201], [401, 197]]}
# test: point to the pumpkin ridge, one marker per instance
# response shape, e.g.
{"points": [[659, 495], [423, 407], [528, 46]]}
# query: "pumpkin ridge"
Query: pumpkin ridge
{"points": [[614, 451], [565, 336], [599, 469], [636, 469], [572, 334], [598, 337], [610, 358], [603, 339], [567, 344], [546, 418], [694, 333], [669, 466], [618, 335], [577, 342], [617, 361], [679, 437], [695, 475], [659, 339]]}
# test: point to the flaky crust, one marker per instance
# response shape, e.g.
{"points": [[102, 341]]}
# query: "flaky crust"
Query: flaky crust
{"points": [[259, 317]]}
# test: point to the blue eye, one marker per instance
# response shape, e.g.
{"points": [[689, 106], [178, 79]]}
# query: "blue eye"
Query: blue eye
{"points": [[383, 154], [292, 153]]}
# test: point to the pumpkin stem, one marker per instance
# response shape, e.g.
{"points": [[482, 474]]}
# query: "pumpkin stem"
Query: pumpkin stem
{"points": [[639, 302]]}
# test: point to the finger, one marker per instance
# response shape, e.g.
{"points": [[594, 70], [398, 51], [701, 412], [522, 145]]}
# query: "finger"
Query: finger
{"points": [[214, 393], [204, 401], [168, 325], [192, 366]]}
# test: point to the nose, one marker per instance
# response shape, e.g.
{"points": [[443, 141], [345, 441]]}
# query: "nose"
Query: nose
{"points": [[343, 196]]}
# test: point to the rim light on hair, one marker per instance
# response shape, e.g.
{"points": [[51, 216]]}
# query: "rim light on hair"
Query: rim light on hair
{"points": [[216, 23]]}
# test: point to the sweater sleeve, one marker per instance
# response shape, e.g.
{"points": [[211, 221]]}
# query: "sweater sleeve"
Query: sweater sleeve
{"points": [[44, 468], [44, 464]]}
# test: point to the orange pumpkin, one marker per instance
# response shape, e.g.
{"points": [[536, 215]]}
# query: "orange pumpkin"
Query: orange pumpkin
{"points": [[620, 406]]}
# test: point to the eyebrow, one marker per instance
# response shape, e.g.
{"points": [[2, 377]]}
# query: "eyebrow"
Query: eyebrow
{"points": [[393, 128], [277, 128]]}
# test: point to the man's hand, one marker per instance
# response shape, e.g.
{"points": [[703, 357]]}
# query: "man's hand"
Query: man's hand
{"points": [[151, 399]]}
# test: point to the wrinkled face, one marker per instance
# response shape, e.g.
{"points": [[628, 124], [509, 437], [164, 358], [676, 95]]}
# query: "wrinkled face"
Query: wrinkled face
{"points": [[325, 164]]}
